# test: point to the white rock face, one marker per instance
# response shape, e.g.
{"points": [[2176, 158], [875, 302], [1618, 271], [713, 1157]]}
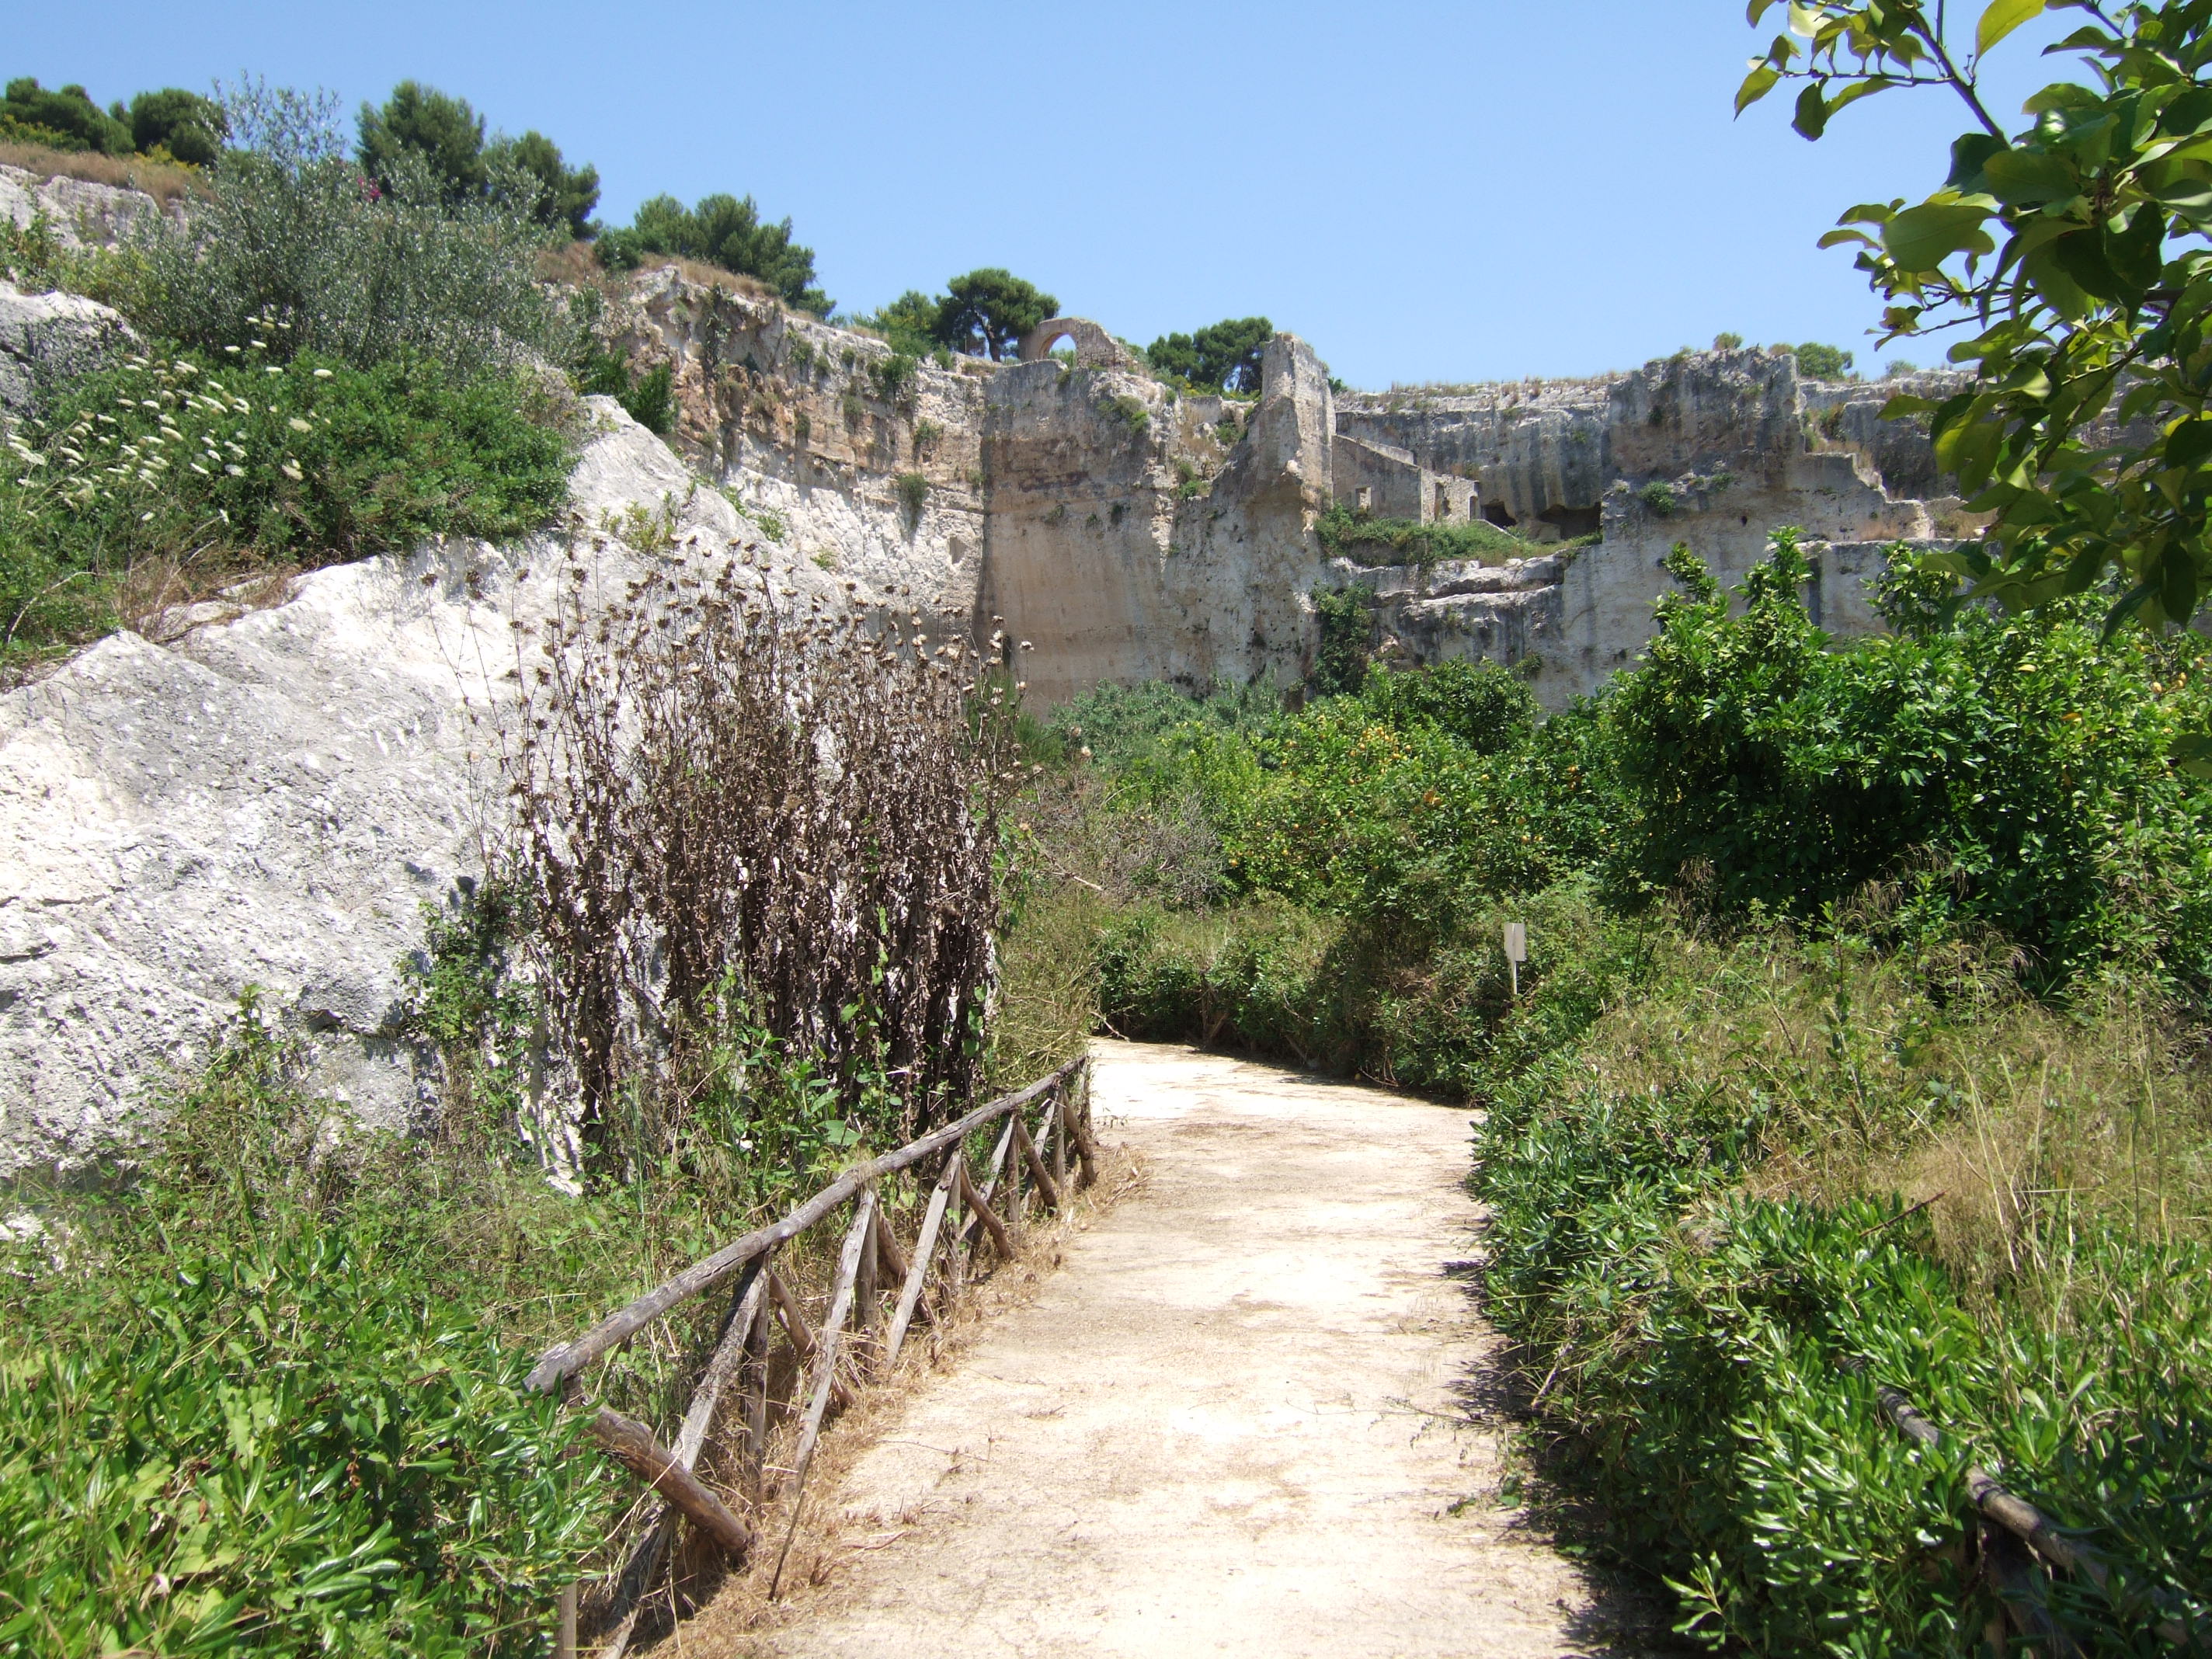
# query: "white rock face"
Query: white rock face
{"points": [[271, 800], [82, 212], [45, 338]]}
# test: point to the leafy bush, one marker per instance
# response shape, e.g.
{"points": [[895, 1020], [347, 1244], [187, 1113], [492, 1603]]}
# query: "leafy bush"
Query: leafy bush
{"points": [[1344, 618], [69, 118], [648, 398], [288, 234], [181, 124], [1695, 1240], [246, 1408], [2011, 772], [152, 483]]}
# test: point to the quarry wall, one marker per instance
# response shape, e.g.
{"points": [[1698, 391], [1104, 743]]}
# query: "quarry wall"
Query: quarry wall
{"points": [[269, 799]]}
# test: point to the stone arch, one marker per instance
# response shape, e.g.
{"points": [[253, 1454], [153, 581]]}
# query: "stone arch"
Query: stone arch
{"points": [[1094, 347]]}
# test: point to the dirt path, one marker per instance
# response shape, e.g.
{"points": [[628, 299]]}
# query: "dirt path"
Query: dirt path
{"points": [[1211, 1432]]}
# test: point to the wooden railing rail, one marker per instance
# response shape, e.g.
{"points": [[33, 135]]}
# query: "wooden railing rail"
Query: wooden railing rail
{"points": [[566, 1359], [2023, 1524], [870, 1264]]}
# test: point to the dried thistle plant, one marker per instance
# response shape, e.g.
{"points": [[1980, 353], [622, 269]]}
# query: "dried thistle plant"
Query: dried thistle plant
{"points": [[732, 808]]}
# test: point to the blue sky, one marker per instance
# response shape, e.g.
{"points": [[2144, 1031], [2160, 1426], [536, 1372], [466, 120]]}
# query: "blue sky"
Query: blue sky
{"points": [[1448, 191]]}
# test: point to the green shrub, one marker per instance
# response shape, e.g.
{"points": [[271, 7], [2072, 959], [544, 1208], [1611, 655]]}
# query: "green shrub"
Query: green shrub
{"points": [[254, 1408], [1344, 620], [1660, 497], [1709, 1340], [1130, 411], [893, 376], [722, 230], [651, 400], [75, 122], [1820, 362], [913, 494], [183, 123], [1369, 541], [287, 231], [2009, 771]]}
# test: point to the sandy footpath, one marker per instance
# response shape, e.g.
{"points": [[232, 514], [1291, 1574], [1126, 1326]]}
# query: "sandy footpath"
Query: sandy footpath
{"points": [[1234, 1423]]}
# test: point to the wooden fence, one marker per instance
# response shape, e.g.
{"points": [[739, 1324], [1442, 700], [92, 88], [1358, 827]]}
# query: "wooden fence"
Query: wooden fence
{"points": [[963, 1213]]}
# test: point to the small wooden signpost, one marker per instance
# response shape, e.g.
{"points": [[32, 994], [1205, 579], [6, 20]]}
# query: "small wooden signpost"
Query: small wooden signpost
{"points": [[1516, 952]]}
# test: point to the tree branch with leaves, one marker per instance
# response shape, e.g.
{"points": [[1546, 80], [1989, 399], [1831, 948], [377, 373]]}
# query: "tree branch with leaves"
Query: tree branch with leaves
{"points": [[2070, 259]]}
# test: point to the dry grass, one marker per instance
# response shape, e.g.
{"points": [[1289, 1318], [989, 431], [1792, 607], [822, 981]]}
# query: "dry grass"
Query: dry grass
{"points": [[2018, 1123], [1047, 1008], [166, 182], [577, 265]]}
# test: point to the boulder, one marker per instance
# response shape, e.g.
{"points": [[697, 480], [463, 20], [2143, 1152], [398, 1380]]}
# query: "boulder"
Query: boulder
{"points": [[48, 338]]}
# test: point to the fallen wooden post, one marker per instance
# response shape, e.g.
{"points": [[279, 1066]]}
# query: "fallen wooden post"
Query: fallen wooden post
{"points": [[2021, 1518], [985, 1215], [825, 1368], [633, 1445], [746, 1306]]}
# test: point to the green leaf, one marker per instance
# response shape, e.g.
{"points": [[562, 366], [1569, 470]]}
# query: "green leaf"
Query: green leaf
{"points": [[1970, 154], [2082, 256], [1922, 238], [1756, 85], [2189, 442], [2018, 177], [2192, 753], [2001, 18], [1812, 118]]}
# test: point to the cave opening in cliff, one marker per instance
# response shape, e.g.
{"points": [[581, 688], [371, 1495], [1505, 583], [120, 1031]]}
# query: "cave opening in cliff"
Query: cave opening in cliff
{"points": [[1496, 513]]}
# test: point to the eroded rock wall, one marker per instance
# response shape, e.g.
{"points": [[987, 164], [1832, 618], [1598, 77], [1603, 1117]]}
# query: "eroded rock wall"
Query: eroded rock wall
{"points": [[1712, 450], [811, 429], [1131, 536]]}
